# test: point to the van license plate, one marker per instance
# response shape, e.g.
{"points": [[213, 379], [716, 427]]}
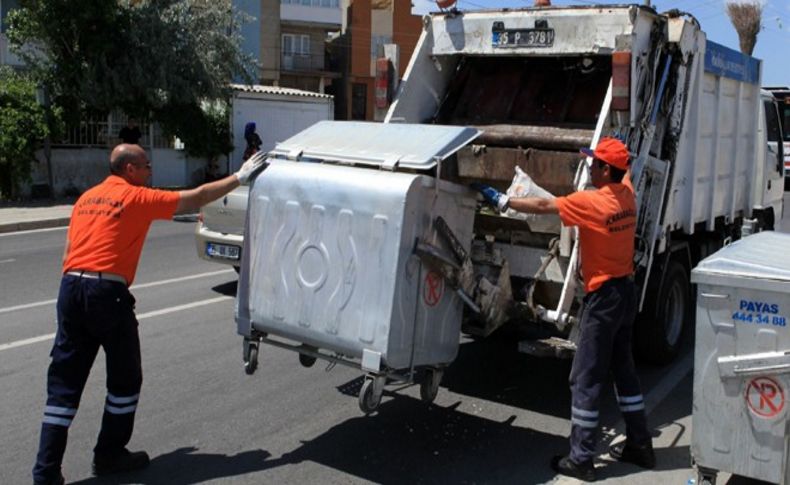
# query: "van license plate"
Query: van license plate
{"points": [[224, 251], [524, 38]]}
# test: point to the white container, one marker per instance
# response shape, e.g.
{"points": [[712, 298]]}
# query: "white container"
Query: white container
{"points": [[329, 249], [742, 359]]}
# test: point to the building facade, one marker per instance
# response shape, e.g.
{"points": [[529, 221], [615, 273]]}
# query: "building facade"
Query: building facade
{"points": [[6, 56], [329, 46], [371, 24], [289, 40]]}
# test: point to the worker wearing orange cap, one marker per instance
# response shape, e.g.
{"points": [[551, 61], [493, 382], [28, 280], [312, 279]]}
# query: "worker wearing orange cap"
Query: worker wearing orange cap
{"points": [[606, 218]]}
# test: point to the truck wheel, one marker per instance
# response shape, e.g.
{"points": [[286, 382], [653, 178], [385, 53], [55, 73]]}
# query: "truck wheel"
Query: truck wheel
{"points": [[659, 328]]}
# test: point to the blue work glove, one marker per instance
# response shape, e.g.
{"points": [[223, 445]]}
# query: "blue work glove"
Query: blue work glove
{"points": [[492, 196]]}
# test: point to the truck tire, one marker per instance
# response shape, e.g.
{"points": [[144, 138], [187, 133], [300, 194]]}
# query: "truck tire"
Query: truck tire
{"points": [[658, 330]]}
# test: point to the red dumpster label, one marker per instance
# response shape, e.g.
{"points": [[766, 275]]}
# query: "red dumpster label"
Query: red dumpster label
{"points": [[433, 289], [765, 397]]}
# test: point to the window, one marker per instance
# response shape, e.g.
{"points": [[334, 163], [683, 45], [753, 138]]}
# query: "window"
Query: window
{"points": [[784, 109], [376, 41], [296, 44], [296, 52], [359, 101]]}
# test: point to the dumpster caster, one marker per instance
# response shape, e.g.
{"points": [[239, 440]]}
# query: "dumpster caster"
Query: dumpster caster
{"points": [[370, 394], [429, 387], [706, 477], [250, 356], [305, 359]]}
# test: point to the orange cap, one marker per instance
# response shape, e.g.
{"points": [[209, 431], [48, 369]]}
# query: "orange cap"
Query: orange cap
{"points": [[610, 150]]}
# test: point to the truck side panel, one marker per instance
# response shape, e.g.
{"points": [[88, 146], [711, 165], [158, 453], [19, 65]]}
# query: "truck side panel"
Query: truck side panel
{"points": [[714, 170], [423, 85]]}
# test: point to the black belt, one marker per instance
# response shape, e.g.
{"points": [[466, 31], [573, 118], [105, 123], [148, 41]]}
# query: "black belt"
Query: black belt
{"points": [[97, 276]]}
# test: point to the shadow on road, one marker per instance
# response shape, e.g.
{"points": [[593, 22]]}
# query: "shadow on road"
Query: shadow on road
{"points": [[186, 465], [493, 370], [411, 442], [227, 289]]}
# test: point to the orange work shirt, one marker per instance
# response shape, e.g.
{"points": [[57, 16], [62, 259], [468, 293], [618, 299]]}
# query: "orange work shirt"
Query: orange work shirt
{"points": [[109, 223], [607, 225]]}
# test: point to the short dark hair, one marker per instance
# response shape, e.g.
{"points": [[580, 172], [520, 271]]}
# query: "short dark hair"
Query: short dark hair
{"points": [[616, 174], [119, 163]]}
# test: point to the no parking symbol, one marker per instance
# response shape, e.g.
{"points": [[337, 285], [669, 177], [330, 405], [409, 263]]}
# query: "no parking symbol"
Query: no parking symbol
{"points": [[433, 289], [765, 397]]}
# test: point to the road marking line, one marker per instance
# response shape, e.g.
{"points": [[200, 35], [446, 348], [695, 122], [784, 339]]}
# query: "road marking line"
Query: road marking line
{"points": [[185, 306], [10, 260], [134, 287], [142, 316], [181, 278], [27, 341], [656, 396], [33, 231]]}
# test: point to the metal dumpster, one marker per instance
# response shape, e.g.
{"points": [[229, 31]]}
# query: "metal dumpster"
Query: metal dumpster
{"points": [[329, 266], [742, 360]]}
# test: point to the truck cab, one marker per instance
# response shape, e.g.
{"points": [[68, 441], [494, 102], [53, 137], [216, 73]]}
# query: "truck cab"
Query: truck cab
{"points": [[782, 97]]}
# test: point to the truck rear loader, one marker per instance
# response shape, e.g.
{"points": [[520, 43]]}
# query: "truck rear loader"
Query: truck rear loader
{"points": [[366, 247]]}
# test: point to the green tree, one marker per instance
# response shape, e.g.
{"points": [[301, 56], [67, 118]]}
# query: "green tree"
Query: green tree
{"points": [[148, 58], [23, 125]]}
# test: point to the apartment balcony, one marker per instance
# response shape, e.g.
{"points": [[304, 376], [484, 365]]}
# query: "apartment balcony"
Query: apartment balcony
{"points": [[300, 62], [312, 14]]}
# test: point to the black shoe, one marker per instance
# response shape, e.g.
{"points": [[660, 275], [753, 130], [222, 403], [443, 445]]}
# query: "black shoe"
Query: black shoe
{"points": [[123, 462], [57, 481], [565, 466], [643, 456]]}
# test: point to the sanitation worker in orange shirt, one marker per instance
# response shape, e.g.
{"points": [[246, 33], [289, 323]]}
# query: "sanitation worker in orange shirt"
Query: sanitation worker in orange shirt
{"points": [[606, 219], [95, 309]]}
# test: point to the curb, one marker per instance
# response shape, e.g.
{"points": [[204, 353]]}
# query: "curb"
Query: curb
{"points": [[30, 225]]}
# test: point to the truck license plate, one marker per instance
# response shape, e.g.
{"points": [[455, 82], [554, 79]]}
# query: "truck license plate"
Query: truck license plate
{"points": [[524, 38], [223, 251]]}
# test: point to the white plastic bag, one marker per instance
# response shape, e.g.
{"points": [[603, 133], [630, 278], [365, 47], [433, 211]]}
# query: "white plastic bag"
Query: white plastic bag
{"points": [[524, 186]]}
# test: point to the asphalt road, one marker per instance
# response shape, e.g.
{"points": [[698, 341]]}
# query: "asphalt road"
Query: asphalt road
{"points": [[499, 416]]}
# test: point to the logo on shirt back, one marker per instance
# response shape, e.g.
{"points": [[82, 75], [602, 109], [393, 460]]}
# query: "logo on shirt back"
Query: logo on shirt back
{"points": [[100, 206], [621, 221]]}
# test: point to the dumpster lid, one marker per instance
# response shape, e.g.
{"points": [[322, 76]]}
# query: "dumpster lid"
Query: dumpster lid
{"points": [[387, 145], [760, 256]]}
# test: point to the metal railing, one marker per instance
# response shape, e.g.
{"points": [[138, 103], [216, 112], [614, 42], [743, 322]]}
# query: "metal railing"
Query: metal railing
{"points": [[302, 62], [102, 132]]}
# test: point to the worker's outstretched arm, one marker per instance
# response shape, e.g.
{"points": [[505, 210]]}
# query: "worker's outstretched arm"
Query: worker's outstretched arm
{"points": [[533, 205], [529, 205], [193, 199]]}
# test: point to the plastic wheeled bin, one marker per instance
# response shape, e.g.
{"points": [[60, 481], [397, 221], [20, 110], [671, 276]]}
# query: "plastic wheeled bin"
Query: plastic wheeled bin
{"points": [[329, 267], [742, 360]]}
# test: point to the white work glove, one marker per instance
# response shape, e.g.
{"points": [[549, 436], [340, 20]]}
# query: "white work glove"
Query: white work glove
{"points": [[252, 166]]}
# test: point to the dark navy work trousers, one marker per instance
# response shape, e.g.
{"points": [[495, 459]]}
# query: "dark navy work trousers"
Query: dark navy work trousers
{"points": [[604, 347], [92, 313]]}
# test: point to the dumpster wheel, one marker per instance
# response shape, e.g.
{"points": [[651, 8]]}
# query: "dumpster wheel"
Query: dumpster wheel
{"points": [[429, 387], [251, 359], [370, 394], [706, 477], [307, 360]]}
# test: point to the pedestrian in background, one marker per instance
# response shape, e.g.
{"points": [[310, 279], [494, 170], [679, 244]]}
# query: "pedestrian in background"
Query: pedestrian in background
{"points": [[254, 141], [606, 218], [130, 133], [95, 309]]}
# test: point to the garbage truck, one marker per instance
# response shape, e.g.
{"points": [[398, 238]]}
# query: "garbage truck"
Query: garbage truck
{"points": [[366, 247]]}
